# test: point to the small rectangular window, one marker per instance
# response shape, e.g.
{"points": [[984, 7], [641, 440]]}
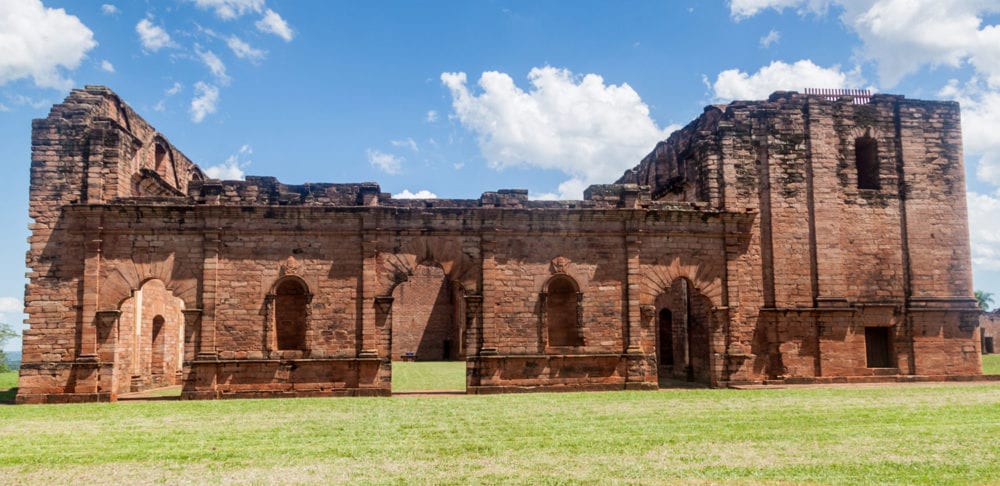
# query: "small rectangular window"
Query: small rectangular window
{"points": [[878, 347], [866, 159]]}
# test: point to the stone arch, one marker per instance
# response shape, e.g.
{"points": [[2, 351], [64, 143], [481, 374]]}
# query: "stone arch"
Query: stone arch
{"points": [[147, 342], [658, 277], [691, 326], [458, 266], [163, 159], [122, 277]]}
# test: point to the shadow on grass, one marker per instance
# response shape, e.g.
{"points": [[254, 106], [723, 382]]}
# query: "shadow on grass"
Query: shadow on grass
{"points": [[7, 396]]}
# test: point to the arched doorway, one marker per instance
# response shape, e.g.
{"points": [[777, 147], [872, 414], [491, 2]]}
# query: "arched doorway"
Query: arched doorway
{"points": [[291, 302], [149, 350], [683, 333]]}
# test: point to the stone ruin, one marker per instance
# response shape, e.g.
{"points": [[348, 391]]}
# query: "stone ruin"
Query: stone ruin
{"points": [[802, 239]]}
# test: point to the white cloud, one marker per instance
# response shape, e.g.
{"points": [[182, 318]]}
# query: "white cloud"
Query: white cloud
{"points": [[232, 168], [244, 50], [432, 116], [408, 143], [109, 9], [388, 163], [153, 37], [215, 65], [578, 125], [22, 100], [734, 84], [741, 9], [772, 38], [984, 233], [11, 305], [205, 101], [422, 194], [176, 88], [107, 66], [39, 42], [4, 108], [231, 9], [272, 23]]}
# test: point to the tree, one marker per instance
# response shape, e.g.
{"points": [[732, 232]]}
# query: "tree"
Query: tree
{"points": [[6, 332], [984, 299]]}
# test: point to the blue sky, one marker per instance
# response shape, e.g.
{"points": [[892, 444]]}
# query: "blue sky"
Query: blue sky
{"points": [[457, 98]]}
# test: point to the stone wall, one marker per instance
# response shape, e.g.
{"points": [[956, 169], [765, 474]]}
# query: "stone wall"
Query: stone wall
{"points": [[750, 226]]}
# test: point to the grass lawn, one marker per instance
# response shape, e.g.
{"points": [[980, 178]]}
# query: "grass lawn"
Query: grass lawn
{"points": [[895, 434], [428, 375], [991, 364]]}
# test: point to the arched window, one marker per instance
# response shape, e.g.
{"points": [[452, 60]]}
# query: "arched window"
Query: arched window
{"points": [[160, 158], [158, 345], [866, 159], [290, 311], [561, 314]]}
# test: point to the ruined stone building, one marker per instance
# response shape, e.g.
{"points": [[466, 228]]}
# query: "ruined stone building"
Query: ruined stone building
{"points": [[805, 238]]}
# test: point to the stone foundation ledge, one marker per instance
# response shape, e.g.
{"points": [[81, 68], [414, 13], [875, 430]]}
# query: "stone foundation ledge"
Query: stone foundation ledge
{"points": [[857, 380], [339, 392], [580, 387], [44, 398]]}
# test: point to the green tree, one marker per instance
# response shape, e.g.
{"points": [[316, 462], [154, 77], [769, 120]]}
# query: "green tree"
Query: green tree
{"points": [[984, 299], [6, 333]]}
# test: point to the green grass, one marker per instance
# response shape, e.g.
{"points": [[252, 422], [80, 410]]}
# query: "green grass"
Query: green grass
{"points": [[428, 375], [929, 434], [991, 364], [8, 386]]}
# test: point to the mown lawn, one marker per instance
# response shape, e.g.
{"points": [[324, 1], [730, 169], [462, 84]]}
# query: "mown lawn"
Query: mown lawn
{"points": [[926, 434], [8, 386], [428, 375], [991, 364]]}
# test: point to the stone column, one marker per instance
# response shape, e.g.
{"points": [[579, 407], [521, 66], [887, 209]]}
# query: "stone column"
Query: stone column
{"points": [[91, 295], [210, 275], [383, 322], [473, 324], [192, 333], [368, 347], [488, 326], [632, 243]]}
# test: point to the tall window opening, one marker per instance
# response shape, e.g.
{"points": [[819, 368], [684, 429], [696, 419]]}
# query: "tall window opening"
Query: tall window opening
{"points": [[866, 159], [561, 313], [878, 347], [290, 304], [665, 346], [159, 346], [160, 158]]}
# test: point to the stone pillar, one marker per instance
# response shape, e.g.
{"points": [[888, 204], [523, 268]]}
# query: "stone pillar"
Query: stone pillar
{"points": [[210, 275], [383, 321], [192, 333], [632, 244], [91, 295], [490, 334], [368, 347], [473, 324]]}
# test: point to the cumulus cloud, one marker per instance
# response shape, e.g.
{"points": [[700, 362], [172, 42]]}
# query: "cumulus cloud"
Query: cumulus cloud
{"points": [[4, 108], [408, 143], [152, 36], [903, 36], [40, 42], [11, 305], [174, 89], [734, 84], [589, 130], [770, 39], [109, 9], [272, 23], [984, 236], [243, 50], [231, 9], [232, 168], [205, 101], [107, 66], [422, 194], [432, 116], [214, 64], [388, 163]]}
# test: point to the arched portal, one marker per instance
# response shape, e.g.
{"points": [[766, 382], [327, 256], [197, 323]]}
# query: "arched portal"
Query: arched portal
{"points": [[150, 339], [684, 332], [561, 312]]}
